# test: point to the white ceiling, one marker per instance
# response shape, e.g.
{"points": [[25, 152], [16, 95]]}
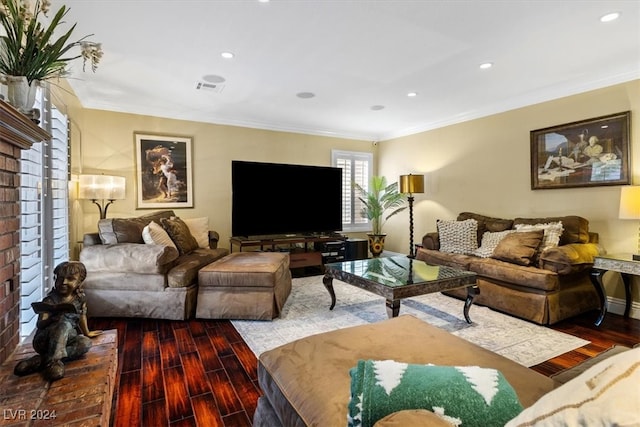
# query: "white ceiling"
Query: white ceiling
{"points": [[352, 55]]}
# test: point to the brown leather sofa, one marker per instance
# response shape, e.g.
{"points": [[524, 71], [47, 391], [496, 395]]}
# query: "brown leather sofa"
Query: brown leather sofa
{"points": [[557, 286], [128, 278]]}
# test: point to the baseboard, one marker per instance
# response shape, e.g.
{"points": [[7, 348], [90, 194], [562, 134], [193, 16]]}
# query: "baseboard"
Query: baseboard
{"points": [[616, 306]]}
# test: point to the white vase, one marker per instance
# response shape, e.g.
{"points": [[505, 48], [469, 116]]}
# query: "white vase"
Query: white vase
{"points": [[20, 94]]}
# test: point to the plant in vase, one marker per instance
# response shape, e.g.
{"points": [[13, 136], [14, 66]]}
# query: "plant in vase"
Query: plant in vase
{"points": [[30, 53], [377, 200]]}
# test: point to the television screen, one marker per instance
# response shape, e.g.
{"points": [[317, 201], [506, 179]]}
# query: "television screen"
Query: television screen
{"points": [[283, 199]]}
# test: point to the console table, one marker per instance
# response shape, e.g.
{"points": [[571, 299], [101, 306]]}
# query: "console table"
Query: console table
{"points": [[621, 263], [308, 256]]}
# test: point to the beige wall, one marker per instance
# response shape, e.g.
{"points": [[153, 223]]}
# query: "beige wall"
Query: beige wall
{"points": [[483, 166]]}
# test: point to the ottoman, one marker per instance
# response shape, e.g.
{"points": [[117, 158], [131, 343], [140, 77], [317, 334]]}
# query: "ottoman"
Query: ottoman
{"points": [[244, 285]]}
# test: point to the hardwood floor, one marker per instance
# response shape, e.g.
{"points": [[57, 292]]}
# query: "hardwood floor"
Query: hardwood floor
{"points": [[201, 373]]}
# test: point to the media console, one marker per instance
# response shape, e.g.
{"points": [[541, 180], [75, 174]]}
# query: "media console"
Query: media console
{"points": [[313, 251]]}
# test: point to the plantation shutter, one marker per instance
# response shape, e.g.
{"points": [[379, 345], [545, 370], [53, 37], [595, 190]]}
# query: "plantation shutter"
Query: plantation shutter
{"points": [[356, 167]]}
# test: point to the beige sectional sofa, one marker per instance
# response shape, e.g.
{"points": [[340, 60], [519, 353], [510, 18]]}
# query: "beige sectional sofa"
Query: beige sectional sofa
{"points": [[128, 278], [554, 286]]}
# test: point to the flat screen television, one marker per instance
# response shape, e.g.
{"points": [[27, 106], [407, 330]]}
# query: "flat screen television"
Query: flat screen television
{"points": [[285, 199]]}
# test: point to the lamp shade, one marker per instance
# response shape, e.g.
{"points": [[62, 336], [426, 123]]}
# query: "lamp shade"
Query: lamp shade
{"points": [[412, 184], [629, 202], [101, 187]]}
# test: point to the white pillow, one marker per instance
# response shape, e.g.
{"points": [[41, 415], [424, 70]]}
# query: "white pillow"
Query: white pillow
{"points": [[607, 394], [552, 233], [199, 228], [490, 240], [154, 234], [458, 237]]}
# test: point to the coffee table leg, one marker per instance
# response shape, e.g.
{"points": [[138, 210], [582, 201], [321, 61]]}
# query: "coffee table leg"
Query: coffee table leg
{"points": [[393, 308], [472, 291], [327, 281]]}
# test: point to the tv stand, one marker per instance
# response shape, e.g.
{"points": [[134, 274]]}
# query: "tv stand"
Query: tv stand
{"points": [[305, 256]]}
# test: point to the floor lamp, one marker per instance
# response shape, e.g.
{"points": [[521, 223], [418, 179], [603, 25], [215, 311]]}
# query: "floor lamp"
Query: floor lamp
{"points": [[99, 188], [411, 184]]}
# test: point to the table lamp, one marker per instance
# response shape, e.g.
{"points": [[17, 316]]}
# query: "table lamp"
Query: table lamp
{"points": [[411, 184], [99, 188], [630, 208]]}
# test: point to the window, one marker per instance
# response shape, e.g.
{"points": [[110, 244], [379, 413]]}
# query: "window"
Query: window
{"points": [[44, 229], [356, 167]]}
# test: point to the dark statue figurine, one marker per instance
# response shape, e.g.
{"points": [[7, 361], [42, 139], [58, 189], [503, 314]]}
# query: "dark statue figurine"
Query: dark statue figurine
{"points": [[62, 332]]}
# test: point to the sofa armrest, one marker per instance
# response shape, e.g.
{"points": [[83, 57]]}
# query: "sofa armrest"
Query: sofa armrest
{"points": [[129, 257], [214, 237], [570, 258], [431, 240], [91, 239]]}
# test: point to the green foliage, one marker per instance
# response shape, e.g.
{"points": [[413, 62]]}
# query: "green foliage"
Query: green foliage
{"points": [[29, 49], [379, 199]]}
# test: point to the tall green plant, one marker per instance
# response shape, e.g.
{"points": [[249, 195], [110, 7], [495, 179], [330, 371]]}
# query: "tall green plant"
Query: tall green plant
{"points": [[29, 49], [378, 199]]}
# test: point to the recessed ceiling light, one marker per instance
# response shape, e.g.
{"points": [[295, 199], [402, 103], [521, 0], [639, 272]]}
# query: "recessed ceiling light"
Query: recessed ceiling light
{"points": [[227, 55], [486, 65], [412, 94], [305, 95], [610, 17], [263, 1], [377, 107]]}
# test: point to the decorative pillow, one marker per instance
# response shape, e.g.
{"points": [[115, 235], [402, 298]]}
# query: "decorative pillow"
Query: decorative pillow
{"points": [[519, 248], [462, 395], [180, 234], [199, 228], [606, 394], [154, 234], [489, 242], [458, 237], [552, 233]]}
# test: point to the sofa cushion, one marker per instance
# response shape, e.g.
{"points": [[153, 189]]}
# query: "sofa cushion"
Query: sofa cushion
{"points": [[568, 259], [187, 266], [458, 237], [199, 228], [520, 275], [129, 257], [154, 234], [576, 228], [490, 241], [519, 248], [413, 417], [127, 230], [606, 394], [487, 223], [180, 234], [552, 232], [435, 257]]}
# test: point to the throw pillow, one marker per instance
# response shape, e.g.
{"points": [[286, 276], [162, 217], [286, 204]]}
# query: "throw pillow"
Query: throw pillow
{"points": [[552, 233], [519, 248], [154, 234], [180, 234], [606, 394], [463, 395], [490, 241], [199, 228], [458, 237]]}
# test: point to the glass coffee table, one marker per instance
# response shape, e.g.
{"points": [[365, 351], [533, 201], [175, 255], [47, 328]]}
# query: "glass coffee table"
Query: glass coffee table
{"points": [[399, 277]]}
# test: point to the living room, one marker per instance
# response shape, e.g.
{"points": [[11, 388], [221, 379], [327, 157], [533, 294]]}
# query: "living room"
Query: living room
{"points": [[482, 164]]}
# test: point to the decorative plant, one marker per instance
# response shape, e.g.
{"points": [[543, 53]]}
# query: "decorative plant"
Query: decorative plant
{"points": [[379, 199], [28, 48]]}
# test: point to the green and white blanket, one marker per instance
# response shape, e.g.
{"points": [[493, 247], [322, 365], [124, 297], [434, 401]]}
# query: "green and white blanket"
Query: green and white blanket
{"points": [[463, 395]]}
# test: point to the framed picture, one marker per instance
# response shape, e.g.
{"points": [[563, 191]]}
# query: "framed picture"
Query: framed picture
{"points": [[164, 175], [587, 153]]}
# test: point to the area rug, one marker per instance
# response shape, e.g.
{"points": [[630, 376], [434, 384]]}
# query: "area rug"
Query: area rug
{"points": [[306, 312]]}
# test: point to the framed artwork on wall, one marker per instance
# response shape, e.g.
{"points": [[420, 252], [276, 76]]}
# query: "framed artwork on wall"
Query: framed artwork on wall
{"points": [[586, 153], [164, 174]]}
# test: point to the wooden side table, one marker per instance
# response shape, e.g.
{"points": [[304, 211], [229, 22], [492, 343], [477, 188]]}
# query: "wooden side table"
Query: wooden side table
{"points": [[621, 263]]}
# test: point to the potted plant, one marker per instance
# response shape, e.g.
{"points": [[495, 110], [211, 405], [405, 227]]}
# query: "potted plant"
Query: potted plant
{"points": [[29, 53], [377, 200]]}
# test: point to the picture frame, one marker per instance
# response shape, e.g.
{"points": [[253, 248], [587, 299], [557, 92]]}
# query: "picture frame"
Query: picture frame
{"points": [[586, 153], [164, 171]]}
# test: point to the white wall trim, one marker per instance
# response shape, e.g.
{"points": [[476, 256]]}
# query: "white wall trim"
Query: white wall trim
{"points": [[616, 306]]}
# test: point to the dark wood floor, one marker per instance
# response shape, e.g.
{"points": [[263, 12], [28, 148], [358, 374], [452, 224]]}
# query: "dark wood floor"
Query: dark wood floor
{"points": [[201, 373]]}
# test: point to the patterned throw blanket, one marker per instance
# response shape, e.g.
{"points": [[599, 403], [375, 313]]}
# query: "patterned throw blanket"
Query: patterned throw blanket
{"points": [[463, 395]]}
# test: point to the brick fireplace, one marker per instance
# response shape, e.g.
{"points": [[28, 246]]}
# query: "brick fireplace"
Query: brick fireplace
{"points": [[17, 133]]}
